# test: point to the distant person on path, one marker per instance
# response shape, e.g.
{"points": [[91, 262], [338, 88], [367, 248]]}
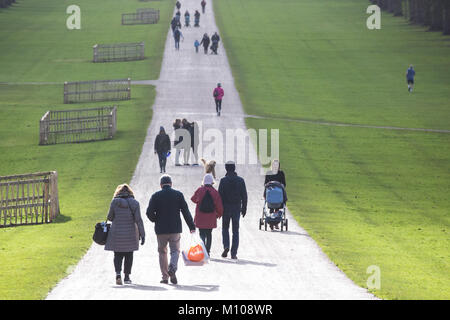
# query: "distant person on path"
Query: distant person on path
{"points": [[195, 140], [177, 141], [126, 230], [177, 35], [410, 74], [178, 16], [164, 210], [203, 3], [205, 42], [208, 209], [162, 147], [215, 42], [187, 18], [178, 5], [276, 174], [197, 19], [218, 94], [175, 24], [187, 145], [233, 192], [196, 45]]}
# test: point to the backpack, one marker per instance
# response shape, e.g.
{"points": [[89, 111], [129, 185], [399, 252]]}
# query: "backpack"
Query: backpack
{"points": [[207, 203], [216, 92]]}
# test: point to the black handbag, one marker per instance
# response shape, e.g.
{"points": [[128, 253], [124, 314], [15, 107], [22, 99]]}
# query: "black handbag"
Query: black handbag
{"points": [[101, 233]]}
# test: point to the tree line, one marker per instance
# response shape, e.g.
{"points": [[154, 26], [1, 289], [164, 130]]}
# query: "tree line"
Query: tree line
{"points": [[6, 3], [432, 13]]}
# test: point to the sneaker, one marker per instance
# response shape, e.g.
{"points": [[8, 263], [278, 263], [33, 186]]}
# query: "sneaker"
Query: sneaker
{"points": [[234, 257], [119, 280], [173, 277], [187, 164], [195, 164], [225, 252], [164, 281], [127, 279], [177, 164]]}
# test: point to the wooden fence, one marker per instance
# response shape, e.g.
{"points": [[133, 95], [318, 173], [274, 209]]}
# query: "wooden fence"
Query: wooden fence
{"points": [[82, 125], [142, 16], [28, 199], [119, 52], [97, 90]]}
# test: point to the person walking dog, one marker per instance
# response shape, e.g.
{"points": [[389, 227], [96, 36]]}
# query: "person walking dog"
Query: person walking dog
{"points": [[126, 230], [233, 192], [218, 94], [208, 209], [164, 210], [162, 147]]}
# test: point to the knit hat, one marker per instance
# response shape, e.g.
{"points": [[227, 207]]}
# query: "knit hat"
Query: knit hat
{"points": [[208, 179], [230, 166]]}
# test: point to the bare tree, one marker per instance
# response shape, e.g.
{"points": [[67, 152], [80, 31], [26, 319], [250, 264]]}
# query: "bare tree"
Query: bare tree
{"points": [[436, 15], [446, 17]]}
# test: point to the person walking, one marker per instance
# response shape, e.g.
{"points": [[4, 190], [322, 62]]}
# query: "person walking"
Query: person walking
{"points": [[197, 19], [196, 45], [205, 42], [177, 35], [203, 4], [164, 210], [187, 144], [177, 141], [178, 5], [218, 94], [195, 140], [162, 147], [208, 209], [410, 74], [187, 18], [175, 24], [126, 230], [215, 42], [233, 192]]}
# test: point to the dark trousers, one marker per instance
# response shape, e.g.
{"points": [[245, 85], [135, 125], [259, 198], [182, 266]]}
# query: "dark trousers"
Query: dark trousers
{"points": [[162, 156], [177, 44], [205, 48], [234, 217], [218, 105], [119, 257], [206, 236], [203, 9]]}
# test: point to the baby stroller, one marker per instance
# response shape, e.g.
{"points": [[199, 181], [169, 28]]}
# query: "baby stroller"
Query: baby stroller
{"points": [[274, 210]]}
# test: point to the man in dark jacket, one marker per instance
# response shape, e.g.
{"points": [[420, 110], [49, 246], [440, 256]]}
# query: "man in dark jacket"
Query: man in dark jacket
{"points": [[205, 42], [215, 42], [234, 198], [162, 147], [164, 210]]}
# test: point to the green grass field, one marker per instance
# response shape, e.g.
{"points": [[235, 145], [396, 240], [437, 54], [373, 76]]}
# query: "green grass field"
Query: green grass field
{"points": [[367, 196], [37, 47]]}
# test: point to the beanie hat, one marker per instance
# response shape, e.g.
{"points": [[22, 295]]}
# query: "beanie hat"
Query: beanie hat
{"points": [[208, 179], [230, 166]]}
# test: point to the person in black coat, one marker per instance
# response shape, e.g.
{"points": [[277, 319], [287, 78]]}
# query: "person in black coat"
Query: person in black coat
{"points": [[197, 19], [178, 5], [233, 192], [164, 210], [215, 42], [205, 42], [162, 147]]}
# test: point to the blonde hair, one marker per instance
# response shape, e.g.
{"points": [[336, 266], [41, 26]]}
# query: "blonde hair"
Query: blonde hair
{"points": [[123, 187]]}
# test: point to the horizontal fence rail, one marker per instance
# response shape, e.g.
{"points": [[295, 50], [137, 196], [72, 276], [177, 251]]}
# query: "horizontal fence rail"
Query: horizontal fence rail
{"points": [[29, 199], [97, 90], [81, 125], [142, 16], [119, 52]]}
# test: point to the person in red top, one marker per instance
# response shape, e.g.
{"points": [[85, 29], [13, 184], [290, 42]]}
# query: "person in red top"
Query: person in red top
{"points": [[218, 94], [212, 204]]}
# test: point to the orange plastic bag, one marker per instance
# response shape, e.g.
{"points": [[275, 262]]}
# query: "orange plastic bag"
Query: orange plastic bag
{"points": [[196, 253]]}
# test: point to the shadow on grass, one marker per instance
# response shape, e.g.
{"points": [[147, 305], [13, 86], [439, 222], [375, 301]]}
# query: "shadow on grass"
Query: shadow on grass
{"points": [[62, 219]]}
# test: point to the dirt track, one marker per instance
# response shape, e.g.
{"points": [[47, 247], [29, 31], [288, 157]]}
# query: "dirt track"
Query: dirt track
{"points": [[271, 265]]}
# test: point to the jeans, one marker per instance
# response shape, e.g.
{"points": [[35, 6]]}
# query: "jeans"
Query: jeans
{"points": [[173, 239], [118, 258], [234, 216], [177, 44], [162, 156], [218, 105], [206, 236]]}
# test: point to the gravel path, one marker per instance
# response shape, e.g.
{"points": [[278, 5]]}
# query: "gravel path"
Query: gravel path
{"points": [[271, 265]]}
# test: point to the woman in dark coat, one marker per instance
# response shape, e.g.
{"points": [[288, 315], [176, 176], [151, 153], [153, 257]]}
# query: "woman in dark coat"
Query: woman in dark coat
{"points": [[206, 221], [205, 42], [126, 229], [162, 147]]}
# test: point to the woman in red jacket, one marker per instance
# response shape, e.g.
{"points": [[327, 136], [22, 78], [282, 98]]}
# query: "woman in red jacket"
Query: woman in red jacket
{"points": [[209, 208]]}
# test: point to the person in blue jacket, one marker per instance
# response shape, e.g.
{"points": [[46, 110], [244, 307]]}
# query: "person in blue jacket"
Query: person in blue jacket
{"points": [[410, 74]]}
